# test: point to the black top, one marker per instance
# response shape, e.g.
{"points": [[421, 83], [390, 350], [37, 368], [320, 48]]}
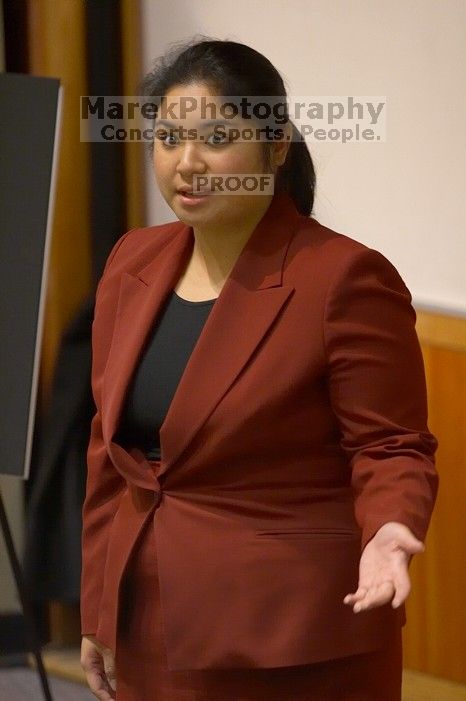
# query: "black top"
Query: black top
{"points": [[159, 371]]}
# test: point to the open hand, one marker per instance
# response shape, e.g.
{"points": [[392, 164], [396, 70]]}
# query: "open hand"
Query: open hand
{"points": [[99, 665], [383, 568]]}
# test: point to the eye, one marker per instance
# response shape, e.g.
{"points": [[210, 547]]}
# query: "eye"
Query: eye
{"points": [[220, 137], [162, 134]]}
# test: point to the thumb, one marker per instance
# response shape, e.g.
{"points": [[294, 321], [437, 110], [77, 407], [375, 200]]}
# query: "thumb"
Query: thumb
{"points": [[409, 543]]}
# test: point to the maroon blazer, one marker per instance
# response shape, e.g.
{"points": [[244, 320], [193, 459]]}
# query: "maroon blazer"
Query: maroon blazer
{"points": [[298, 428]]}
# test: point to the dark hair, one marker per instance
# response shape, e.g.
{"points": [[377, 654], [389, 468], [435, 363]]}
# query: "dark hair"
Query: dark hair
{"points": [[231, 68]]}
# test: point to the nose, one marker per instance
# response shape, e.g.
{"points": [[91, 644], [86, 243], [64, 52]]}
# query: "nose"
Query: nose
{"points": [[190, 161]]}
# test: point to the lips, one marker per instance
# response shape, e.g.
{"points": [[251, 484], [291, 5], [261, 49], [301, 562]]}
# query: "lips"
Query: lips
{"points": [[194, 194]]}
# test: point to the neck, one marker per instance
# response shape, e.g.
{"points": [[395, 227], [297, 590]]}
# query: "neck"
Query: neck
{"points": [[216, 249]]}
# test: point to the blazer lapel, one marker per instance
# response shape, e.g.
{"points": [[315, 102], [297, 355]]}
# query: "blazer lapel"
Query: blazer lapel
{"points": [[250, 300]]}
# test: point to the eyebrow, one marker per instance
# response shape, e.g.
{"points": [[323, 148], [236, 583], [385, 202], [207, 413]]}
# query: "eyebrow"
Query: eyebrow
{"points": [[207, 122]]}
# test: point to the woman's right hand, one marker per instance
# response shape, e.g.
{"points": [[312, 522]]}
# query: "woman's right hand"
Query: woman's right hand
{"points": [[98, 663]]}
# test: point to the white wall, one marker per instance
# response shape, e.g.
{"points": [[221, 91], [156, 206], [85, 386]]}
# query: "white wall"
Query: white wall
{"points": [[405, 196]]}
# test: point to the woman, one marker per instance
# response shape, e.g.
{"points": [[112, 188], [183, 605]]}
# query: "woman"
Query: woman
{"points": [[248, 536]]}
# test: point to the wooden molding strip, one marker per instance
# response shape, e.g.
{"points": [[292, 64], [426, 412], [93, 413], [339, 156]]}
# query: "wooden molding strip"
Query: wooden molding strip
{"points": [[441, 330], [131, 42]]}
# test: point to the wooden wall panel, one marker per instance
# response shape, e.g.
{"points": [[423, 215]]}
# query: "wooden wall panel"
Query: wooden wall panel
{"points": [[57, 49], [134, 152], [434, 637]]}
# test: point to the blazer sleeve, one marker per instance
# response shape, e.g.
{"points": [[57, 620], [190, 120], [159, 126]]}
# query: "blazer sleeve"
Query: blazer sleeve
{"points": [[378, 393], [104, 484]]}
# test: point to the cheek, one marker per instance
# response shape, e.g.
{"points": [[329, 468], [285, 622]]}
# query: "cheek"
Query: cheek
{"points": [[162, 169], [244, 158], [158, 176]]}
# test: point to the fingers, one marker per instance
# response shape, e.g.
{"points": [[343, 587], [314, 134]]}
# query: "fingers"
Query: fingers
{"points": [[98, 685], [382, 592], [99, 667], [360, 593], [109, 666], [370, 597]]}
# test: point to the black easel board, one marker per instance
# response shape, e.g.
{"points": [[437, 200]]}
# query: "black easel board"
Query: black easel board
{"points": [[30, 109]]}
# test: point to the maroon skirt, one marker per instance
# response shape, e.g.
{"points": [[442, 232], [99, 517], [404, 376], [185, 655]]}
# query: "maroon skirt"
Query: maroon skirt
{"points": [[141, 662]]}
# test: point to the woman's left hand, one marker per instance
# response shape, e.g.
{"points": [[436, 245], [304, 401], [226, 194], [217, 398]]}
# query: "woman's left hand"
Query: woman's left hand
{"points": [[383, 568]]}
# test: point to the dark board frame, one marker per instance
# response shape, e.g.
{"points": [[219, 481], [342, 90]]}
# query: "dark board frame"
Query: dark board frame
{"points": [[30, 114]]}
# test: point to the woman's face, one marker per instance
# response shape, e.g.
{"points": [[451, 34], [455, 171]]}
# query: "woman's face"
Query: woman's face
{"points": [[178, 158]]}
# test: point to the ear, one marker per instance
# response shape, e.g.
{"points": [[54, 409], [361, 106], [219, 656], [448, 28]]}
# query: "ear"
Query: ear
{"points": [[280, 148]]}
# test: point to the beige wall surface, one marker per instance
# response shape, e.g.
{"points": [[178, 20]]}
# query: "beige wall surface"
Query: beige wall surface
{"points": [[402, 196]]}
